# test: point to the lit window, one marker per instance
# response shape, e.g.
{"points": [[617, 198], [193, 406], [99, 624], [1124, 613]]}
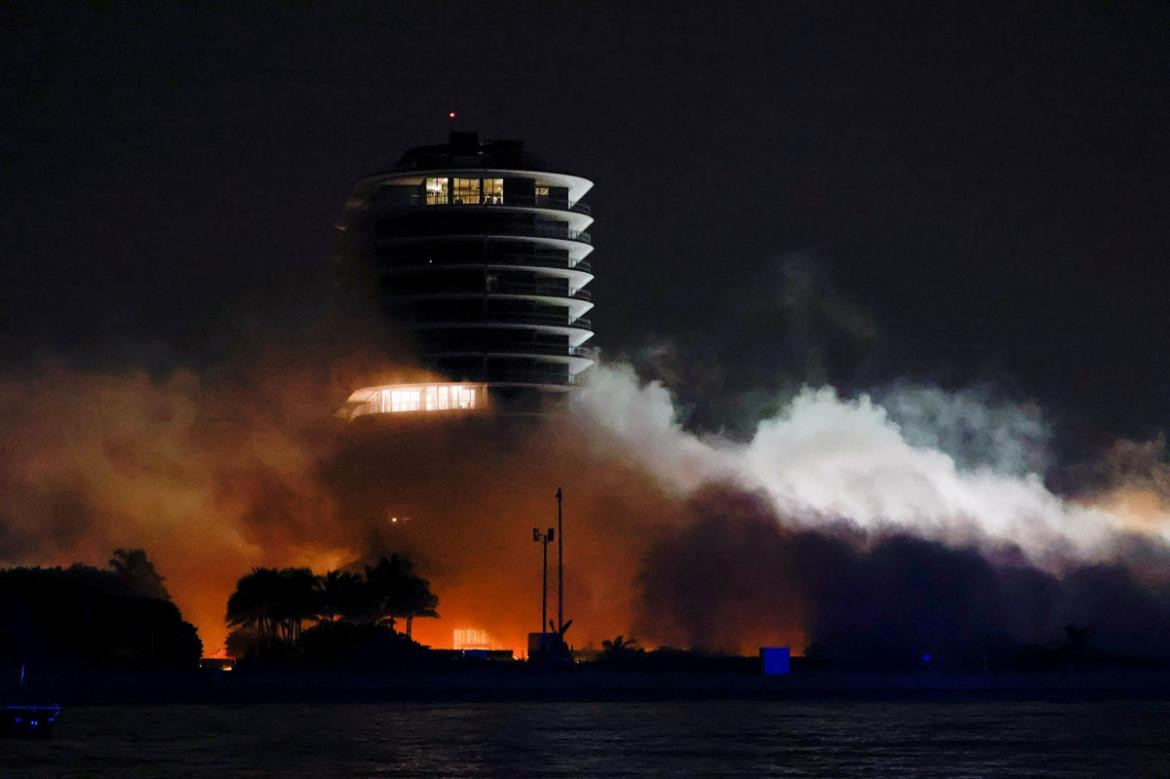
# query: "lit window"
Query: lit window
{"points": [[471, 638], [466, 191], [493, 191], [405, 400], [436, 192], [421, 397], [541, 195], [463, 397]]}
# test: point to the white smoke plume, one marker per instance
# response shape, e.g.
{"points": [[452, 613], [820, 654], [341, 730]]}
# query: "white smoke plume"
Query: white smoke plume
{"points": [[955, 469]]}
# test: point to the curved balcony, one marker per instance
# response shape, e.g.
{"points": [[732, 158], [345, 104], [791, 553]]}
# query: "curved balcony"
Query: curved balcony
{"points": [[578, 358], [575, 305], [576, 250], [519, 376], [578, 331], [519, 201], [562, 233], [550, 378], [585, 352], [538, 290], [577, 268], [470, 167]]}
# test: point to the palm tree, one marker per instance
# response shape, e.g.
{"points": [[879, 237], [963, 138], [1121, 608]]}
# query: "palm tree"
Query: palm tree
{"points": [[297, 599], [397, 591], [345, 595], [274, 603], [416, 600], [139, 575], [619, 648], [252, 604]]}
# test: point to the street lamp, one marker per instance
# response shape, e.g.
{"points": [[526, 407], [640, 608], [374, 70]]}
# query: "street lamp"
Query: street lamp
{"points": [[543, 538]]}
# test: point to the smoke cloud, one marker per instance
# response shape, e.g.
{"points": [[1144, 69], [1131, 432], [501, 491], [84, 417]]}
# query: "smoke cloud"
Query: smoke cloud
{"points": [[836, 517]]}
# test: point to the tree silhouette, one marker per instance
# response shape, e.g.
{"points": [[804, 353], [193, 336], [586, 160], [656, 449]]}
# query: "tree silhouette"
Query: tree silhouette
{"points": [[251, 604], [297, 600], [619, 648], [138, 574], [83, 616], [274, 603], [345, 595], [269, 606], [397, 591]]}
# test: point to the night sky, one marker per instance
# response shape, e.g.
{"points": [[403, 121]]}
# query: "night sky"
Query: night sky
{"points": [[855, 193]]}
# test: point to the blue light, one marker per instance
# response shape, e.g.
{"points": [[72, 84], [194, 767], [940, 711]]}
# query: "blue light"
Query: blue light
{"points": [[926, 657]]}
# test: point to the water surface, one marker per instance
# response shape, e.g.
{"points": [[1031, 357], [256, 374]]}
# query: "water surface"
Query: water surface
{"points": [[692, 738]]}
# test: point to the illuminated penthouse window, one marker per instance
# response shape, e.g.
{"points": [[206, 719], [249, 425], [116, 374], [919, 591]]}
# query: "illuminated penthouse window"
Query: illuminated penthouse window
{"points": [[438, 397], [409, 398], [493, 191], [466, 191], [401, 400], [436, 191]]}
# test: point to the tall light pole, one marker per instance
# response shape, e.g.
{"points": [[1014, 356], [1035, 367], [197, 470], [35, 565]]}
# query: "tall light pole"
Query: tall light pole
{"points": [[560, 566], [543, 538]]}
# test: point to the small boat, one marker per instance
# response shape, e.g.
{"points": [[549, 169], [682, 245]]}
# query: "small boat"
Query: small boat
{"points": [[28, 719]]}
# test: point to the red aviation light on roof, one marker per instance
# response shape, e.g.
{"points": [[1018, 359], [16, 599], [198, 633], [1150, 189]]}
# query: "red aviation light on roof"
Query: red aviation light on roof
{"points": [[451, 115]]}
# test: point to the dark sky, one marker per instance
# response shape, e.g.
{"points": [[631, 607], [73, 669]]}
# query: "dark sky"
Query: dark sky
{"points": [[982, 190]]}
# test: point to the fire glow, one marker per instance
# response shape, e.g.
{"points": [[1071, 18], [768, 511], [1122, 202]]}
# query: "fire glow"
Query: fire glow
{"points": [[216, 475]]}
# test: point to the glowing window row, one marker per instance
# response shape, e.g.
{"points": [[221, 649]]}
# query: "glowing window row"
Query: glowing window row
{"points": [[464, 191], [471, 638], [441, 397]]}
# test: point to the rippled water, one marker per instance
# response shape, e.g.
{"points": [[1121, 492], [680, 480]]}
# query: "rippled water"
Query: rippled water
{"points": [[606, 739]]}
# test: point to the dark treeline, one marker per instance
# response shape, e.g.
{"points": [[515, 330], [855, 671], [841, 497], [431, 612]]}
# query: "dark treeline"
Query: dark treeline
{"points": [[352, 616], [82, 616]]}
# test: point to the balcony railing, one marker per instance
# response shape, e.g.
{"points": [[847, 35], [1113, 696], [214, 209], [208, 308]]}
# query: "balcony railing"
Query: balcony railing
{"points": [[552, 350], [504, 318], [533, 290], [508, 231], [556, 232], [519, 288], [587, 352], [558, 204], [519, 260], [531, 377]]}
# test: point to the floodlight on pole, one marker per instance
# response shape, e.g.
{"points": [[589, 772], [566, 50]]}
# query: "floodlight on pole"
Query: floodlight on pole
{"points": [[544, 539]]}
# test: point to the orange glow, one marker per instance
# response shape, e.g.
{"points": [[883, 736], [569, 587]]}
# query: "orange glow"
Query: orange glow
{"points": [[215, 474]]}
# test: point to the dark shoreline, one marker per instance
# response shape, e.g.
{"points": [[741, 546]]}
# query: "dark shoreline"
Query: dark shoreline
{"points": [[516, 684]]}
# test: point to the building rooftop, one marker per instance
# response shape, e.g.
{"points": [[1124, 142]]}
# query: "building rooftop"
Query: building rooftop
{"points": [[466, 150]]}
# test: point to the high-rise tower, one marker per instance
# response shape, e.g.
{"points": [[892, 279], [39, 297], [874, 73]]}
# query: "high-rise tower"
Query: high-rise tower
{"points": [[481, 251]]}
